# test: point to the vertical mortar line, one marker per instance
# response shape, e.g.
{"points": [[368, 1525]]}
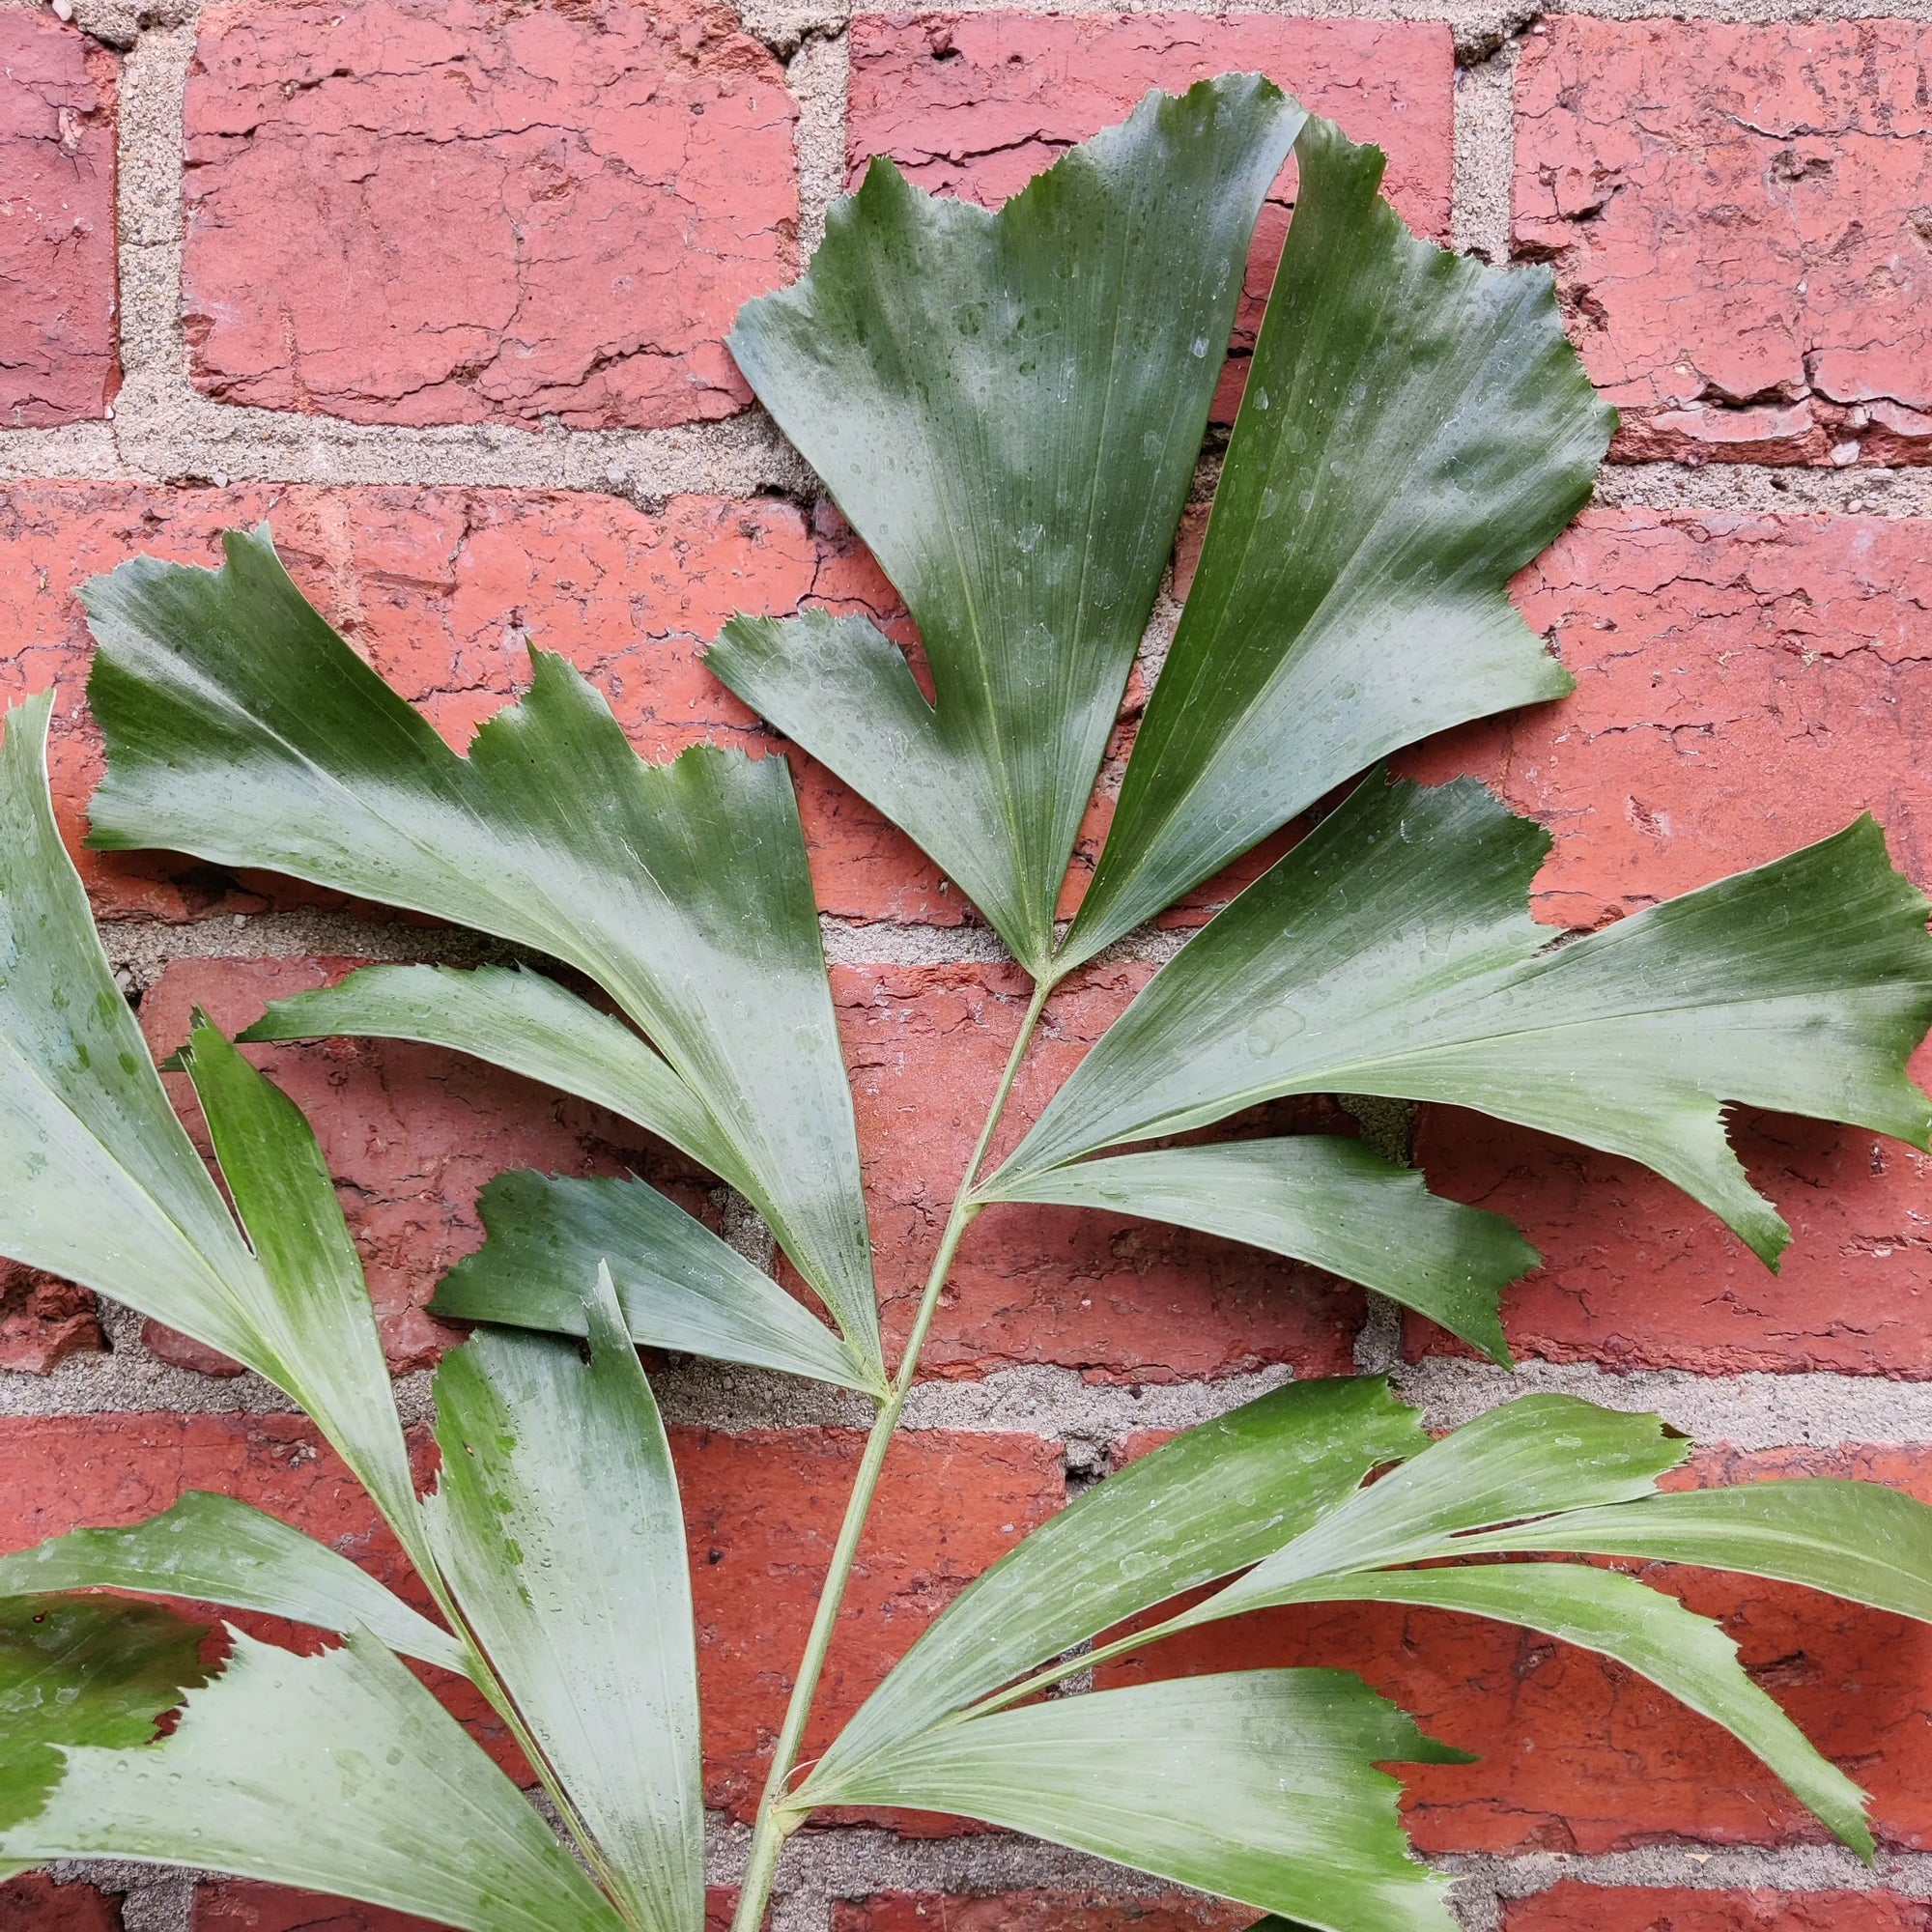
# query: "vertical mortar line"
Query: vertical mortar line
{"points": [[149, 216], [818, 74], [1485, 154]]}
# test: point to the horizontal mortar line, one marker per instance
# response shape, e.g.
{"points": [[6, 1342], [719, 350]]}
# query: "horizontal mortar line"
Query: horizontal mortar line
{"points": [[755, 465], [739, 458], [1765, 489], [851, 1862], [145, 947], [1732, 1867], [1750, 1412]]}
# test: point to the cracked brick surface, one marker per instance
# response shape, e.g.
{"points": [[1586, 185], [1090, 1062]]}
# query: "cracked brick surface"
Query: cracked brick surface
{"points": [[413, 211], [1571, 1907], [443, 590], [1746, 685], [975, 104], [33, 1903], [44, 1319], [59, 349], [1578, 1754], [761, 1513], [1741, 223]]}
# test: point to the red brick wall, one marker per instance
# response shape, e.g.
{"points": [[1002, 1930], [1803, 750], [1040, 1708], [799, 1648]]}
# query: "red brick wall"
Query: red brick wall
{"points": [[439, 288]]}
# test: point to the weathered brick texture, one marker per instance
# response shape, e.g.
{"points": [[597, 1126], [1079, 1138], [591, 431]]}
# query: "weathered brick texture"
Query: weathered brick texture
{"points": [[59, 353], [1737, 216], [1746, 685], [33, 1903], [408, 211], [1589, 1908]]}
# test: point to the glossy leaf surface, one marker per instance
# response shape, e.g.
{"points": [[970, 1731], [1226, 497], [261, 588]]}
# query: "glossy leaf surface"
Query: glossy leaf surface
{"points": [[679, 1286], [1392, 953], [557, 1525], [1322, 1199], [82, 1670], [1538, 1453], [333, 1774], [1649, 1633], [1215, 1499], [318, 1321], [1007, 406], [1858, 1540], [100, 1184], [1414, 429], [515, 1018], [215, 1549], [242, 728], [1258, 1785]]}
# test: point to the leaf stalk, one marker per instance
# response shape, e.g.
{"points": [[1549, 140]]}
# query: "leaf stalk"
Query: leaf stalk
{"points": [[777, 1819]]}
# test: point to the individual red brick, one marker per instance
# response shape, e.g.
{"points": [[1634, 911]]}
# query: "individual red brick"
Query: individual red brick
{"points": [[440, 590], [1123, 1300], [1573, 1906], [244, 1905], [59, 353], [761, 1512], [1036, 1912], [1737, 216], [33, 1903], [1746, 685], [414, 211], [184, 1352], [1578, 1754], [44, 1319], [975, 104]]}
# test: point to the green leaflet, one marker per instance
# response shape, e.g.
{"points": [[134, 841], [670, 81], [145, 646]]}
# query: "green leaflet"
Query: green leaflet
{"points": [[84, 1670], [213, 1549], [1008, 406], [1854, 1540], [1651, 1634], [100, 1184], [1215, 1499], [334, 1773], [1322, 1535], [1392, 953], [1415, 428], [242, 728], [679, 1286], [513, 1017], [1259, 1785], [557, 1527], [1321, 1199], [318, 1322], [1537, 1453]]}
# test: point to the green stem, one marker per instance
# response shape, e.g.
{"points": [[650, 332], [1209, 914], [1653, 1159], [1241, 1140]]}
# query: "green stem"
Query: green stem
{"points": [[776, 1822]]}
